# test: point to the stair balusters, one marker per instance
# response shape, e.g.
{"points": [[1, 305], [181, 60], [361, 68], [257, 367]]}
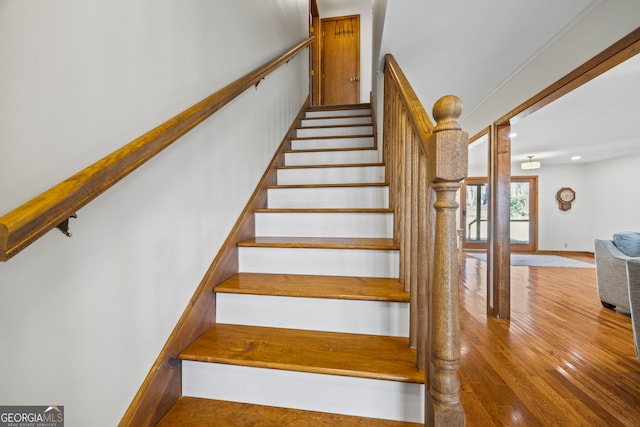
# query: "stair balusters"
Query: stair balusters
{"points": [[425, 165]]}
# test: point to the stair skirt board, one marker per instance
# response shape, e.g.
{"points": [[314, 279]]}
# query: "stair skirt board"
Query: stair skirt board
{"points": [[331, 175], [336, 113], [328, 143], [363, 197], [334, 131], [391, 400], [327, 262], [318, 314], [336, 121], [324, 224], [330, 157]]}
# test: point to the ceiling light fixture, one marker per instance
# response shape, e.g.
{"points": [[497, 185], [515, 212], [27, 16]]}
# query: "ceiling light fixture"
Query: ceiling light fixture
{"points": [[530, 164], [576, 158]]}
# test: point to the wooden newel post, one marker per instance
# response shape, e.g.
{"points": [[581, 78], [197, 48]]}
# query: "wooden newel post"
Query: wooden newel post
{"points": [[448, 158]]}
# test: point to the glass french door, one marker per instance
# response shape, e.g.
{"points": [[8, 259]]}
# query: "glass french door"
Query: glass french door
{"points": [[523, 213]]}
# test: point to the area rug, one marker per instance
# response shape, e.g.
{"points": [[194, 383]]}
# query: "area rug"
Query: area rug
{"points": [[539, 260]]}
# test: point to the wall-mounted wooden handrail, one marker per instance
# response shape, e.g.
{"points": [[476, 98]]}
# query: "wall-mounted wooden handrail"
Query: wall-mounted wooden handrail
{"points": [[424, 166], [25, 224]]}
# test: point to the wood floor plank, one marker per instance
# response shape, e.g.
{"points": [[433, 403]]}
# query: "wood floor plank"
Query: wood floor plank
{"points": [[337, 287], [562, 359], [364, 356], [195, 412]]}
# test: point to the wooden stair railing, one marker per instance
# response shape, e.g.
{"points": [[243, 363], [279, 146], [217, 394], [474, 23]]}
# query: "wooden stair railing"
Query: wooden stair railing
{"points": [[25, 224], [425, 165]]}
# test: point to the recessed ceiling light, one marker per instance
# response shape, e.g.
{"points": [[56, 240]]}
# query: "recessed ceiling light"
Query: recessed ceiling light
{"points": [[576, 157], [513, 135]]}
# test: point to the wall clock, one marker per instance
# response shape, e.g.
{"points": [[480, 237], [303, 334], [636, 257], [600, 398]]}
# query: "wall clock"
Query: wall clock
{"points": [[565, 196]]}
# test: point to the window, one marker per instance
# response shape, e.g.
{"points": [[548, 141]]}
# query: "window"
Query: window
{"points": [[523, 213]]}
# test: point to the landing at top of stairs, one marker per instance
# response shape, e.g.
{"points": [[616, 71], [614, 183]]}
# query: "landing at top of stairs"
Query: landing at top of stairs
{"points": [[195, 412]]}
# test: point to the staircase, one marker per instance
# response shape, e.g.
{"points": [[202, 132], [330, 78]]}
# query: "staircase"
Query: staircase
{"points": [[314, 329]]}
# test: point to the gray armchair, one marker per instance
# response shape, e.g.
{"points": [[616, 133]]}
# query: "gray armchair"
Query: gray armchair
{"points": [[611, 273], [633, 274]]}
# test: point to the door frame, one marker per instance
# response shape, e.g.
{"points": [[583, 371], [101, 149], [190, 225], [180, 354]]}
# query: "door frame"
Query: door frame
{"points": [[314, 57]]}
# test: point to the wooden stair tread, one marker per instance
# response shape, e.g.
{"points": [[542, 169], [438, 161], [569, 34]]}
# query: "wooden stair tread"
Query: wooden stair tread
{"points": [[358, 106], [325, 150], [336, 165], [197, 412], [334, 353], [357, 184], [339, 116], [330, 137], [307, 286], [336, 126], [321, 242], [324, 210]]}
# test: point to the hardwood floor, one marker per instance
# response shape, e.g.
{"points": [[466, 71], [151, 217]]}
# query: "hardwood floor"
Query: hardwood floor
{"points": [[562, 360]]}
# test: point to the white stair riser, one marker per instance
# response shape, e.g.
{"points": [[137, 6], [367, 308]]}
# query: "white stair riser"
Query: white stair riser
{"points": [[363, 397], [328, 197], [318, 314], [329, 143], [324, 224], [334, 131], [335, 175], [330, 157], [328, 262], [336, 121], [340, 113]]}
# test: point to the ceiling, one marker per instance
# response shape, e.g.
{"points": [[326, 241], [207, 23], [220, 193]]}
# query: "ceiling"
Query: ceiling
{"points": [[597, 121], [477, 50]]}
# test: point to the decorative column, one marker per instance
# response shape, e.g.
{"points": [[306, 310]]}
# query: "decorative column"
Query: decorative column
{"points": [[448, 159]]}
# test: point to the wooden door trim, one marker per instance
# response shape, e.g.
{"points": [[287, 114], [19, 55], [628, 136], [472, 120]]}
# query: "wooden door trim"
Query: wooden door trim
{"points": [[499, 248], [315, 58]]}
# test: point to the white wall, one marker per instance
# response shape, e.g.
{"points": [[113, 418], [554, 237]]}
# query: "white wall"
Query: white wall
{"points": [[604, 203], [329, 9], [84, 318], [561, 230], [615, 204]]}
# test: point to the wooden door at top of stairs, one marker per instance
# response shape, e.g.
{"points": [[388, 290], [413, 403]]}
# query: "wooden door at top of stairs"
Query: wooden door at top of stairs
{"points": [[341, 60]]}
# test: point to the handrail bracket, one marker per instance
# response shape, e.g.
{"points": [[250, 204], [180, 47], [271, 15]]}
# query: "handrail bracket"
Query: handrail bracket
{"points": [[64, 225]]}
